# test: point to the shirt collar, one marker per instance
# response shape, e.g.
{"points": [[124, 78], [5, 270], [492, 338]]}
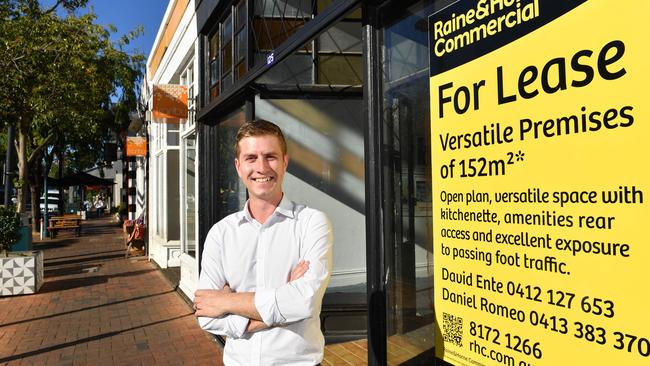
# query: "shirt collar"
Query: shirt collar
{"points": [[285, 208]]}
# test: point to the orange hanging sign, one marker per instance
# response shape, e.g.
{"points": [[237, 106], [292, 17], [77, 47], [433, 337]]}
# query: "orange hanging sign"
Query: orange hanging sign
{"points": [[169, 103], [136, 146]]}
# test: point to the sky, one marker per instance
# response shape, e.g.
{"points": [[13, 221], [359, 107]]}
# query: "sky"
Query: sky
{"points": [[125, 15]]}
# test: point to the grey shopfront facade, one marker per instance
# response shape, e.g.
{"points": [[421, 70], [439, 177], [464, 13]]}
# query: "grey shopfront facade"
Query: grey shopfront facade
{"points": [[348, 82]]}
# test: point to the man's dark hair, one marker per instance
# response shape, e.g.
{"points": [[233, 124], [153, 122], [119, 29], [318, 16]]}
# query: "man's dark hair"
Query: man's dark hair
{"points": [[260, 127]]}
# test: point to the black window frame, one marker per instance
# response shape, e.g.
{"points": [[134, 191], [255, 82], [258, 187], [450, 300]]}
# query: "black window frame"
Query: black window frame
{"points": [[225, 78]]}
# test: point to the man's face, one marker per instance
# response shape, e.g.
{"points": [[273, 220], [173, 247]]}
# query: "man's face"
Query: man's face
{"points": [[261, 166]]}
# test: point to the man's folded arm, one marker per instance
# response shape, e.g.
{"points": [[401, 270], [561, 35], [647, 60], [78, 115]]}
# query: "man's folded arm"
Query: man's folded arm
{"points": [[294, 301], [211, 277], [300, 299]]}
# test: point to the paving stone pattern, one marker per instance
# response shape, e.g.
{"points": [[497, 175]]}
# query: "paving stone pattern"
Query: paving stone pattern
{"points": [[98, 308]]}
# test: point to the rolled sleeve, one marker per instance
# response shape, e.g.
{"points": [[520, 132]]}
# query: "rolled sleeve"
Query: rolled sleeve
{"points": [[232, 326], [267, 307], [212, 278], [302, 298]]}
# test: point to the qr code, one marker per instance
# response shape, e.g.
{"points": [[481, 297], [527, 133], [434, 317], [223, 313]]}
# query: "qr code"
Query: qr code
{"points": [[452, 329]]}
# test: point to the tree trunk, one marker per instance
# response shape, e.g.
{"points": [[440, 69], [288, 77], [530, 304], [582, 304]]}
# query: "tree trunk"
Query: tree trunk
{"points": [[23, 168]]}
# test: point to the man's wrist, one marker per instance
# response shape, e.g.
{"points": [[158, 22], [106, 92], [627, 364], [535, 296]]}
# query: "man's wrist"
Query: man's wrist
{"points": [[227, 303]]}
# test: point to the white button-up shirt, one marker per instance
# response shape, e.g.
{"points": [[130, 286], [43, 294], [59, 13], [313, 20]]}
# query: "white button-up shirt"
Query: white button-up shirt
{"points": [[254, 257]]}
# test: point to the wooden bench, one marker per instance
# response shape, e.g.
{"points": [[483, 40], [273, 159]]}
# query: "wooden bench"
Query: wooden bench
{"points": [[67, 222]]}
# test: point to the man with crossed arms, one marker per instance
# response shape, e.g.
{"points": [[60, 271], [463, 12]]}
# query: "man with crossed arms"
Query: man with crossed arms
{"points": [[265, 268]]}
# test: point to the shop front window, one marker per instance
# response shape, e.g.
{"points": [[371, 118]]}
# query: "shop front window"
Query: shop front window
{"points": [[326, 171], [227, 50], [187, 79], [160, 195], [241, 41], [214, 65], [408, 246], [189, 196]]}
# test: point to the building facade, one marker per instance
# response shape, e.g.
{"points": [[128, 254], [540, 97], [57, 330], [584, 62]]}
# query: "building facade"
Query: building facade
{"points": [[354, 85], [347, 81], [172, 185]]}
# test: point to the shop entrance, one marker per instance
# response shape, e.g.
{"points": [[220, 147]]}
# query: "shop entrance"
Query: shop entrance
{"points": [[406, 186]]}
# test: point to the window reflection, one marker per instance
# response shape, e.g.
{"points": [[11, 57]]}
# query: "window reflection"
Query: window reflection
{"points": [[407, 192], [227, 50], [326, 171], [232, 192]]}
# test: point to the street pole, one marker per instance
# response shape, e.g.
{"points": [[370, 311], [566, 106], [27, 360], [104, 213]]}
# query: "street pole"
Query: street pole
{"points": [[9, 164], [45, 219]]}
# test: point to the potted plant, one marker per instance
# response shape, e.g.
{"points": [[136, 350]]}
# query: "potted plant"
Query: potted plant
{"points": [[20, 272], [120, 213]]}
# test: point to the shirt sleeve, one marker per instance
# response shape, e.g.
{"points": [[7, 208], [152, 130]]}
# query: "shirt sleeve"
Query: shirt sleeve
{"points": [[212, 278], [302, 298]]}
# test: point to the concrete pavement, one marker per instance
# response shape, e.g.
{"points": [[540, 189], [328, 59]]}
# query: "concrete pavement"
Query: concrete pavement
{"points": [[98, 308]]}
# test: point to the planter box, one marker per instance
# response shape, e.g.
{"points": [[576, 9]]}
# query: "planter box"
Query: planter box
{"points": [[24, 244], [21, 273]]}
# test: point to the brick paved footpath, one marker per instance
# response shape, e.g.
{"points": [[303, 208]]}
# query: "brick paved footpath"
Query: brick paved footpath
{"points": [[98, 308]]}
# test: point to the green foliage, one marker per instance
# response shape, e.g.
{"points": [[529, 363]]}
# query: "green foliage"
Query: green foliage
{"points": [[60, 72], [9, 226], [18, 183], [123, 210]]}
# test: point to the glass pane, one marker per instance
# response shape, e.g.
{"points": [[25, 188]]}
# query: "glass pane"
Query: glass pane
{"points": [[341, 37], [226, 54], [241, 46], [232, 192], [227, 81], [226, 30], [286, 8], [189, 197], [160, 195], [326, 171], [407, 192], [295, 69], [240, 70], [172, 137], [270, 33], [340, 69], [241, 15], [191, 105], [214, 45], [172, 201], [407, 43], [214, 91], [214, 71]]}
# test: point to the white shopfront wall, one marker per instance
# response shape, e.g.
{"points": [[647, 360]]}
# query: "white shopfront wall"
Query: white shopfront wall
{"points": [[172, 183]]}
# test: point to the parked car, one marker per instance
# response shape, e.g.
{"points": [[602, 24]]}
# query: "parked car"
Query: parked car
{"points": [[52, 202]]}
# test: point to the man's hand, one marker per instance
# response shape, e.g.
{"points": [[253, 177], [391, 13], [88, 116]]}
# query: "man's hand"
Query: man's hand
{"points": [[211, 303], [299, 271]]}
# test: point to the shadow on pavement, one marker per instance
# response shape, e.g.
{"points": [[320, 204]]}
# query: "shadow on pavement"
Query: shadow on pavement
{"points": [[70, 283], [86, 308], [89, 258], [50, 260], [87, 339]]}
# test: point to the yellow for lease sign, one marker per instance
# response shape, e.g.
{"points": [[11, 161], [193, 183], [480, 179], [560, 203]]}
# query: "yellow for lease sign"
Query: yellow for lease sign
{"points": [[540, 134]]}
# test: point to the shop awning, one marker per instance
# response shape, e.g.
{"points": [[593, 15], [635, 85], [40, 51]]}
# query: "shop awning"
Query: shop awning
{"points": [[80, 179]]}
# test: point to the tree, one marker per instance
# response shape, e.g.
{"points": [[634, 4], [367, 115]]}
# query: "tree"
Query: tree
{"points": [[9, 226], [59, 73]]}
